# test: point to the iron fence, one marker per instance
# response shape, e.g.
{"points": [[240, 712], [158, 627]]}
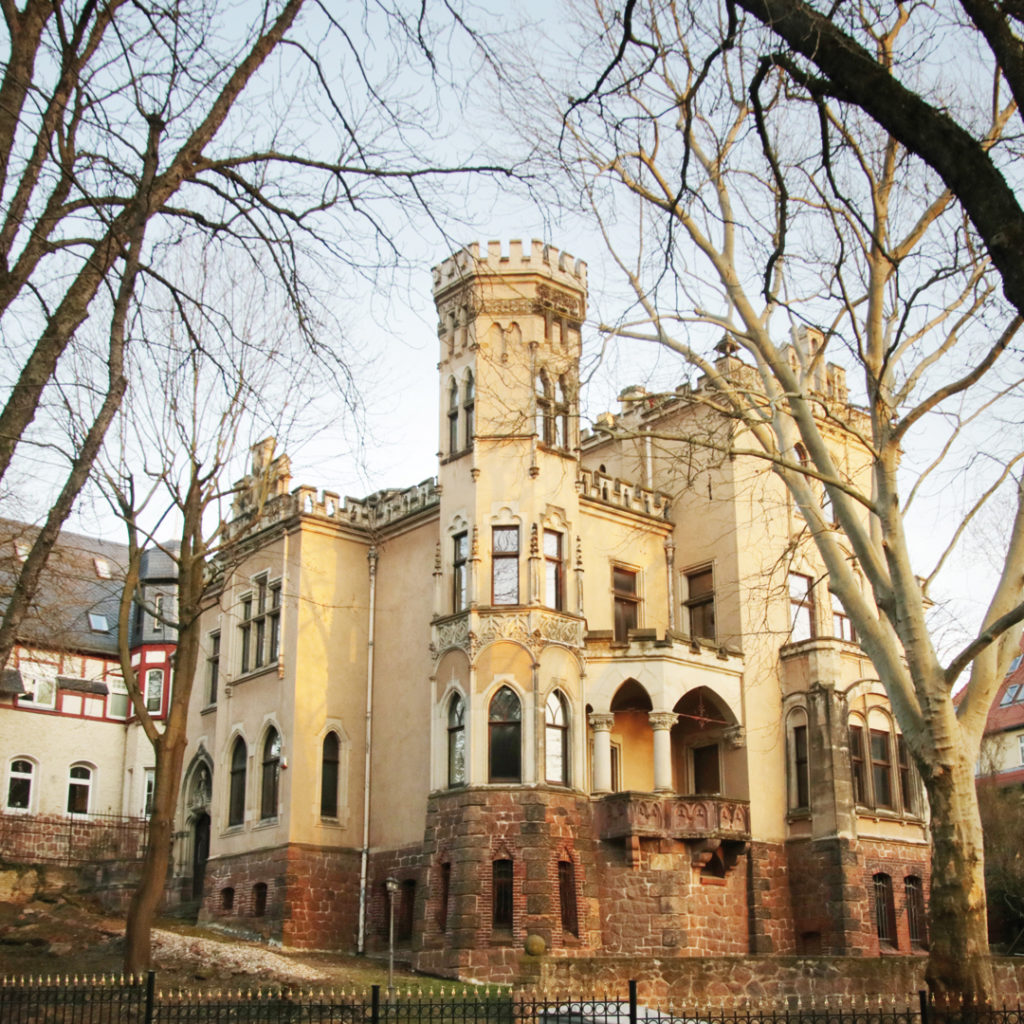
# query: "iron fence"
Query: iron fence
{"points": [[140, 1001]]}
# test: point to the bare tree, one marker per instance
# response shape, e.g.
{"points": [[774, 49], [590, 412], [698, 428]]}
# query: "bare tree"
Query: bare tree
{"points": [[736, 206], [209, 387], [126, 128]]}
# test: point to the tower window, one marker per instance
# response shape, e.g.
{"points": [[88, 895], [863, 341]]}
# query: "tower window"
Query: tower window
{"points": [[556, 747], [567, 897], [545, 409], [505, 565], [154, 690], [501, 878], [469, 409], [213, 669], [460, 578], [453, 418], [456, 741], [554, 571], [801, 774], [801, 603], [504, 728], [700, 603], [857, 764], [561, 424], [626, 601], [881, 768]]}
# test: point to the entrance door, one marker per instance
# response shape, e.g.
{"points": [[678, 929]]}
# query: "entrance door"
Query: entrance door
{"points": [[200, 853]]}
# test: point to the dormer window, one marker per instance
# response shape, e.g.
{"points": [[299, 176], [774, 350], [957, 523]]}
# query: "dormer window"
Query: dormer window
{"points": [[98, 623], [21, 549], [102, 568]]}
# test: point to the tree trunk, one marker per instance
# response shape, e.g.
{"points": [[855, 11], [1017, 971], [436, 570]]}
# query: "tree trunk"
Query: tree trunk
{"points": [[958, 963]]}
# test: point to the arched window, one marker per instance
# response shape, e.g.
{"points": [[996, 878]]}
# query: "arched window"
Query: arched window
{"points": [[453, 418], [19, 785], [501, 888], [554, 570], [456, 741], [504, 727], [567, 897], [556, 740], [469, 408], [236, 795], [561, 424], [79, 789], [916, 919], [329, 776], [885, 910], [259, 899], [545, 409], [271, 774], [799, 764]]}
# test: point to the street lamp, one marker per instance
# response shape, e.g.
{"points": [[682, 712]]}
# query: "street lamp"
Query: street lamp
{"points": [[391, 884]]}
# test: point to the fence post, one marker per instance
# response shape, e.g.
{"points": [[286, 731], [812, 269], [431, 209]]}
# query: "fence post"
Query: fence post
{"points": [[375, 1004], [150, 985], [632, 1001], [922, 998]]}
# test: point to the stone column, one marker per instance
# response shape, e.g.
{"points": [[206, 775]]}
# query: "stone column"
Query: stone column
{"points": [[661, 723], [601, 778]]}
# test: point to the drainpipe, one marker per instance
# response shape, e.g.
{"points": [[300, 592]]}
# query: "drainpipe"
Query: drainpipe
{"points": [[371, 557]]}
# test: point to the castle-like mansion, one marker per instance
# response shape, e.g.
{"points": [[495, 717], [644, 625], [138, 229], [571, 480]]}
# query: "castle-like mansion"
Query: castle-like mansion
{"points": [[586, 686]]}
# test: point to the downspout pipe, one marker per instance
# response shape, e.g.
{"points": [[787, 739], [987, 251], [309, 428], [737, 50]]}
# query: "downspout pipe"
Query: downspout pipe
{"points": [[371, 557]]}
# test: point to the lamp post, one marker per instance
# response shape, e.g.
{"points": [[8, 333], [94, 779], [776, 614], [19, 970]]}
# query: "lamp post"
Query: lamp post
{"points": [[391, 884]]}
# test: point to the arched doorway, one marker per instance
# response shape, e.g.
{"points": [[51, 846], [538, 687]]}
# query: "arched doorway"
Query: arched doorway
{"points": [[702, 759]]}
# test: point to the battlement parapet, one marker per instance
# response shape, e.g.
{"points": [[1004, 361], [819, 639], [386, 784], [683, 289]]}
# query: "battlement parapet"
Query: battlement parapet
{"points": [[377, 510], [539, 257], [612, 491]]}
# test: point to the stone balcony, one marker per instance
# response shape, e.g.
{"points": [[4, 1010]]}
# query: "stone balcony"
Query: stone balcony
{"points": [[669, 816], [534, 627]]}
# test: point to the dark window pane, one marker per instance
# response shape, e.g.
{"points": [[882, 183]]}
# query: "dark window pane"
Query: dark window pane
{"points": [[236, 798], [271, 775], [916, 919], [881, 768], [857, 764], [329, 777], [567, 897], [705, 770], [885, 910], [800, 767], [502, 891]]}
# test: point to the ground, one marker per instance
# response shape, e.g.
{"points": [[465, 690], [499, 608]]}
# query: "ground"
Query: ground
{"points": [[68, 935]]}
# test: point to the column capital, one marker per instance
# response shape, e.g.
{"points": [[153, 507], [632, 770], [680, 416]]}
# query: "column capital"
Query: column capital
{"points": [[662, 719], [601, 721]]}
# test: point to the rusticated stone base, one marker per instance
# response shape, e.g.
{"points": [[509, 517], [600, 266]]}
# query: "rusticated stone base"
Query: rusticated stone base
{"points": [[311, 899]]}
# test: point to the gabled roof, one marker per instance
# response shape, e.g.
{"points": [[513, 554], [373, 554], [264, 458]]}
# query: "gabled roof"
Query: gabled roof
{"points": [[1007, 711], [76, 606]]}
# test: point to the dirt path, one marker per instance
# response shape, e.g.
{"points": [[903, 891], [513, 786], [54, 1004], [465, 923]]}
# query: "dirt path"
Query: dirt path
{"points": [[66, 936]]}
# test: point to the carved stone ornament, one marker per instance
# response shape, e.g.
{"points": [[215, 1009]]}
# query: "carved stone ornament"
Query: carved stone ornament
{"points": [[454, 633]]}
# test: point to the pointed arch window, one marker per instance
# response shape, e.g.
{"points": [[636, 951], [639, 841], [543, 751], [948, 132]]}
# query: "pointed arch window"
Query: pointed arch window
{"points": [[545, 409], [504, 737], [453, 418], [456, 741], [329, 766], [271, 775], [561, 416], [556, 740], [236, 794], [501, 885], [469, 409]]}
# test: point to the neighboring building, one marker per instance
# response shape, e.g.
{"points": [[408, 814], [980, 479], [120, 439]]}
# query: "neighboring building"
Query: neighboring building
{"points": [[589, 687], [71, 746], [1002, 746]]}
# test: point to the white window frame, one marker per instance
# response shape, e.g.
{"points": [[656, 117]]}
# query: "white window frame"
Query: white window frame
{"points": [[151, 674], [87, 783], [32, 675], [11, 775], [117, 688]]}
